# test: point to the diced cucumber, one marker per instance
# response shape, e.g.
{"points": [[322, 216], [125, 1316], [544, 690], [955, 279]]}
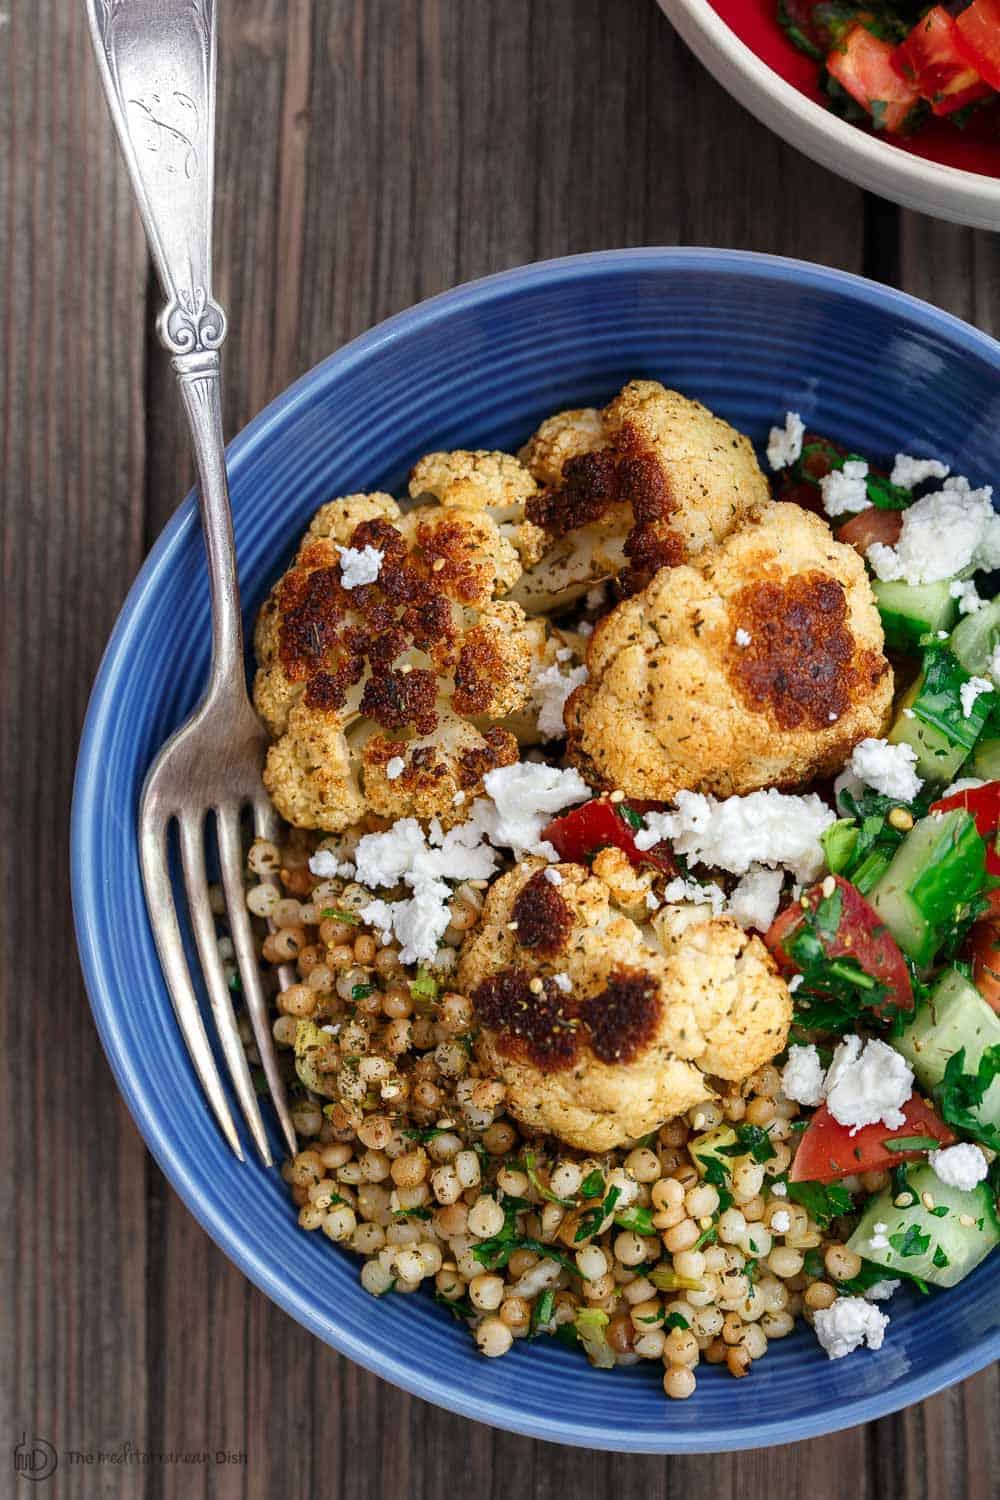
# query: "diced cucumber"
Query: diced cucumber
{"points": [[976, 637], [936, 871], [955, 1016], [941, 1248], [910, 611], [986, 760], [938, 758]]}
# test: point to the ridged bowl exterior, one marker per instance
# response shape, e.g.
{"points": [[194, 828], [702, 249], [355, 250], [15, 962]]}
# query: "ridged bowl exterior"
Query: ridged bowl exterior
{"points": [[751, 336]]}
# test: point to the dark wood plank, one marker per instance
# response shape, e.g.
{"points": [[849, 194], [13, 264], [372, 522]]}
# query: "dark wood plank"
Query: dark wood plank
{"points": [[72, 389]]}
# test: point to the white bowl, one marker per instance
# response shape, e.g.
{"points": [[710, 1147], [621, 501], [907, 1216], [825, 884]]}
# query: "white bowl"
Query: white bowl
{"points": [[965, 197]]}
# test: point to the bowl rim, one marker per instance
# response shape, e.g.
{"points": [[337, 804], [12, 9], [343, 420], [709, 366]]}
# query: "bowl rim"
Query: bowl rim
{"points": [[970, 198], [87, 797]]}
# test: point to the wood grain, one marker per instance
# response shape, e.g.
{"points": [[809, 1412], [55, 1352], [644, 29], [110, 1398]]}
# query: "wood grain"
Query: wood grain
{"points": [[369, 155]]}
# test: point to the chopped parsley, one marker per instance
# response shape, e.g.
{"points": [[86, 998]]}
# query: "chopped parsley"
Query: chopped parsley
{"points": [[592, 1185], [495, 1252], [591, 1221], [640, 1220], [911, 1241], [751, 1140], [672, 1320], [425, 986], [912, 1143], [339, 914], [960, 1093], [823, 1202], [528, 1160], [541, 1313], [362, 991]]}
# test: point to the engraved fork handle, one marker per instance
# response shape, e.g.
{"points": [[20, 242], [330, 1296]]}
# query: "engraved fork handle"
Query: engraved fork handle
{"points": [[157, 63]]}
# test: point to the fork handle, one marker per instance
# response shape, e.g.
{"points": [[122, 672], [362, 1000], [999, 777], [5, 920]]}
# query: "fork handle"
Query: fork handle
{"points": [[157, 63]]}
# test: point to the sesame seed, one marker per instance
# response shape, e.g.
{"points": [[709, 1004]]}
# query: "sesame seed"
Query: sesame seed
{"points": [[966, 1221], [903, 1200]]}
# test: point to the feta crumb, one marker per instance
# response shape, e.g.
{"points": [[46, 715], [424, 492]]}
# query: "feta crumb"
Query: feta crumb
{"points": [[909, 472], [847, 1324], [833, 717], [878, 1240], [359, 566], [550, 690], [887, 768], [553, 876], [525, 797], [803, 1075], [764, 828], [962, 1166], [965, 591], [971, 690], [942, 534], [327, 865], [794, 983], [743, 637], [394, 768], [563, 982], [754, 902], [845, 491], [779, 1190], [597, 597], [585, 629], [692, 890], [868, 1084], [784, 444], [781, 1222], [882, 1290]]}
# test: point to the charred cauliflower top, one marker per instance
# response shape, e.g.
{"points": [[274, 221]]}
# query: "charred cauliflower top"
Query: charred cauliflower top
{"points": [[385, 696], [648, 483], [759, 664], [602, 1029]]}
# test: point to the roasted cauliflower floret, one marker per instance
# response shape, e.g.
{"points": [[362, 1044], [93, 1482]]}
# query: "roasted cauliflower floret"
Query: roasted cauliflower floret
{"points": [[759, 664], [385, 695], [497, 483], [599, 1030], [647, 483]]}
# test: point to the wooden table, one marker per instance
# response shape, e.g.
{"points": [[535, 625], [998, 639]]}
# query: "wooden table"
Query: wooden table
{"points": [[370, 154]]}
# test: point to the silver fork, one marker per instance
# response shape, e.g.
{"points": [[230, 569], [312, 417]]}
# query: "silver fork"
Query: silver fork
{"points": [[157, 62]]}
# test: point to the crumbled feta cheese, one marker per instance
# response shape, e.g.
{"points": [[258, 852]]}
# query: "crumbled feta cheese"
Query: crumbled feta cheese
{"points": [[882, 1290], [909, 472], [879, 1240], [394, 768], [585, 629], [755, 901], [868, 1084], [458, 799], [652, 901], [743, 637], [784, 444], [563, 982], [597, 597], [692, 890], [327, 865], [849, 1323], [961, 1166], [803, 1075], [965, 591], [764, 828], [845, 491], [887, 768], [564, 653], [553, 876], [971, 690], [832, 717], [550, 690], [942, 534], [359, 566], [525, 797], [779, 1190], [794, 983], [781, 1222]]}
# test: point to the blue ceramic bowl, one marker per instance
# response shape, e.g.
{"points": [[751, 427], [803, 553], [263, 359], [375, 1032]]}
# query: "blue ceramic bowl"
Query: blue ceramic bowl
{"points": [[749, 335]]}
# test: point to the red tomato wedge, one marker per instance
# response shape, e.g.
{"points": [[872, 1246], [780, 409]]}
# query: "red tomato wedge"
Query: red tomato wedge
{"points": [[827, 1149], [861, 934], [984, 946], [862, 64], [930, 58], [581, 833], [871, 525], [978, 38], [983, 802]]}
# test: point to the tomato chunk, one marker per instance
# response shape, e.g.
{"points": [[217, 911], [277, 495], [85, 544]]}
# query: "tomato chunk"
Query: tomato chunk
{"points": [[827, 1149], [861, 934], [978, 38], [862, 64], [931, 59], [871, 525], [579, 834], [984, 946]]}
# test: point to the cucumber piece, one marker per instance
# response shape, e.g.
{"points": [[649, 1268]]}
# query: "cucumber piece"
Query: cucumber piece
{"points": [[986, 760], [955, 1016], [936, 871], [976, 637], [910, 611], [938, 758], [941, 1248]]}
